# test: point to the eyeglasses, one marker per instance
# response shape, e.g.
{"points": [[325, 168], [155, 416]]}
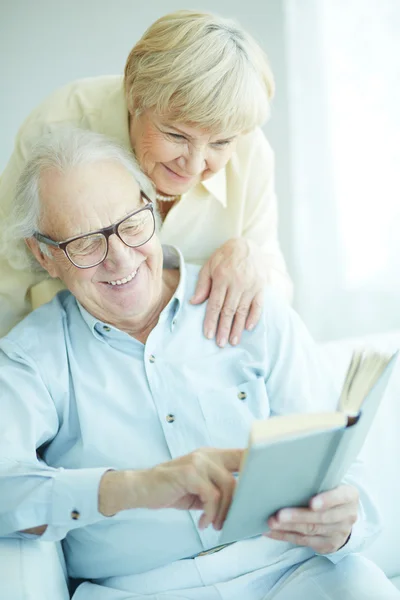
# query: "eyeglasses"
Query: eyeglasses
{"points": [[91, 249]]}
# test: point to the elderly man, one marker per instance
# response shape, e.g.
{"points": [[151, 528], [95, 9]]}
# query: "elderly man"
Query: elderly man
{"points": [[134, 413]]}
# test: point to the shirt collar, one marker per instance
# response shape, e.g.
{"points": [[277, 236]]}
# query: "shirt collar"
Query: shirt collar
{"points": [[216, 186], [172, 259]]}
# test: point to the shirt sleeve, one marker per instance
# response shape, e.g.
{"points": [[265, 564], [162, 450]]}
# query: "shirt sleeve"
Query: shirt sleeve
{"points": [[32, 493], [261, 214], [300, 381]]}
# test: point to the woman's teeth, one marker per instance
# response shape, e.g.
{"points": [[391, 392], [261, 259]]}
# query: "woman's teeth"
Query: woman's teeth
{"points": [[124, 280]]}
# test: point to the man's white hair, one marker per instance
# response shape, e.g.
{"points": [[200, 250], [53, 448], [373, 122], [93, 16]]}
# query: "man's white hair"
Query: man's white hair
{"points": [[63, 149]]}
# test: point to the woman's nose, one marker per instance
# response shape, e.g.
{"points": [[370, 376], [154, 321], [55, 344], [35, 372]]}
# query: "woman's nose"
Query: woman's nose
{"points": [[193, 162]]}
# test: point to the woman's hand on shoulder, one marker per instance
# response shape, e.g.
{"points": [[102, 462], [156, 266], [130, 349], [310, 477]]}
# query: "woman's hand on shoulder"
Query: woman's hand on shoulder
{"points": [[233, 280]]}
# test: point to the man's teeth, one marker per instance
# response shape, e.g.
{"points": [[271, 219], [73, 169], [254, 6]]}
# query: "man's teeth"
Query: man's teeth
{"points": [[124, 280]]}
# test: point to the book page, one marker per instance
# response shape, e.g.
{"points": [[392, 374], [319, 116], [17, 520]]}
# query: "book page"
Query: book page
{"points": [[364, 371], [288, 425]]}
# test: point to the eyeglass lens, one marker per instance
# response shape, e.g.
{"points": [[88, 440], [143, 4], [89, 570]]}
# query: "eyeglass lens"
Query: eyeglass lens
{"points": [[91, 249]]}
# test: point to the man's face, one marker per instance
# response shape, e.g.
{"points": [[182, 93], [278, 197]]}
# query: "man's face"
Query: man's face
{"points": [[83, 200]]}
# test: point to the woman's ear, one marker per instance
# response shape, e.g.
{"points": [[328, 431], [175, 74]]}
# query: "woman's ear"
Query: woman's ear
{"points": [[45, 261]]}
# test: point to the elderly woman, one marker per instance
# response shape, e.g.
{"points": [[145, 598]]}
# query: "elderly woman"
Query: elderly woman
{"points": [[195, 91], [113, 383]]}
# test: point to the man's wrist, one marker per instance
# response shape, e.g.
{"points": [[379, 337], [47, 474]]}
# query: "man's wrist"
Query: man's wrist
{"points": [[118, 490]]}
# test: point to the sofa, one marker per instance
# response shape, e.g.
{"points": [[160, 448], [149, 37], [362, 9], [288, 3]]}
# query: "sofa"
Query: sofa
{"points": [[34, 570]]}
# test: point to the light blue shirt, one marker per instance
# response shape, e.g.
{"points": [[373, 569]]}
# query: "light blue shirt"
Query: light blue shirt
{"points": [[90, 398]]}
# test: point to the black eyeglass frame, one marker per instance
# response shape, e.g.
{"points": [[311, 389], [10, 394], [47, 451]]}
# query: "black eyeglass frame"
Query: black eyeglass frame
{"points": [[106, 232]]}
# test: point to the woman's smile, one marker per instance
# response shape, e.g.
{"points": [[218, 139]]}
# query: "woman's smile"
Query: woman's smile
{"points": [[176, 176]]}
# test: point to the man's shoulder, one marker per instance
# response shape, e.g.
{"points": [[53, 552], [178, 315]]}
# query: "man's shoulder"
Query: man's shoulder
{"points": [[276, 310], [41, 330], [274, 302]]}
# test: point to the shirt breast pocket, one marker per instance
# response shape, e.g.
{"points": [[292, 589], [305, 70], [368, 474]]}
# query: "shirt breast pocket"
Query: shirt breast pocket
{"points": [[229, 412]]}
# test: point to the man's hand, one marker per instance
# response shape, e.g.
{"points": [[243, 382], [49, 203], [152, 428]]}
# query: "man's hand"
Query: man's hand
{"points": [[325, 526], [200, 480], [232, 280]]}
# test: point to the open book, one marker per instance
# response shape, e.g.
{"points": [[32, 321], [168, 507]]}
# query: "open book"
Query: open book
{"points": [[291, 458]]}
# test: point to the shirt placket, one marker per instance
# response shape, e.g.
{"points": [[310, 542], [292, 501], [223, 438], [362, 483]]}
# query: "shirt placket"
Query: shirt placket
{"points": [[171, 416]]}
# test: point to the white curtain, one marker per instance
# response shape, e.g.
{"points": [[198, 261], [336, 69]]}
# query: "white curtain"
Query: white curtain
{"points": [[344, 125]]}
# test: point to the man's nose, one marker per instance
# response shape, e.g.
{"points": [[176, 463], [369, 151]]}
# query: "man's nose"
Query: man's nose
{"points": [[117, 250]]}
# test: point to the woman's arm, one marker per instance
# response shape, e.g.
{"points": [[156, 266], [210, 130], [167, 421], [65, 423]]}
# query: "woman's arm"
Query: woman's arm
{"points": [[235, 275], [14, 280]]}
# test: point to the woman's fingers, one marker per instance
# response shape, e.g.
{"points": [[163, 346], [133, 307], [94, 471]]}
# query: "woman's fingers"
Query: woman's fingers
{"points": [[239, 321], [231, 280], [229, 311], [227, 315], [203, 286], [214, 306], [256, 309]]}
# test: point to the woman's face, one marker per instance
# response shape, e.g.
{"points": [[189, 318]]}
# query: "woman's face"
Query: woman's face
{"points": [[176, 156]]}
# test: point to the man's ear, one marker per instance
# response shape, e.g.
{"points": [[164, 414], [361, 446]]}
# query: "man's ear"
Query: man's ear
{"points": [[45, 261]]}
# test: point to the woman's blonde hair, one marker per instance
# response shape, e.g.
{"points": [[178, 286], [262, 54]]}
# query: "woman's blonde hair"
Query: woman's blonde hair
{"points": [[202, 70]]}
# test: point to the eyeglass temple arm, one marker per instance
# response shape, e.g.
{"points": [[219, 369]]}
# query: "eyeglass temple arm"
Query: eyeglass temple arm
{"points": [[46, 240]]}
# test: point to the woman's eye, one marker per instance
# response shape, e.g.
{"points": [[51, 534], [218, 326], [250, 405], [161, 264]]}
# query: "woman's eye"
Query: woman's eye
{"points": [[222, 144], [176, 136]]}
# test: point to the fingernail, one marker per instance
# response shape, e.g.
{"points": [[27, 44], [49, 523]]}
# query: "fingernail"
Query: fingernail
{"points": [[317, 503], [222, 342], [250, 327], [285, 516], [234, 341], [209, 334]]}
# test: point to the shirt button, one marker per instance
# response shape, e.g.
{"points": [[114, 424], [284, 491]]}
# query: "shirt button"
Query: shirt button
{"points": [[170, 418], [152, 358], [75, 515], [242, 395], [106, 328]]}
